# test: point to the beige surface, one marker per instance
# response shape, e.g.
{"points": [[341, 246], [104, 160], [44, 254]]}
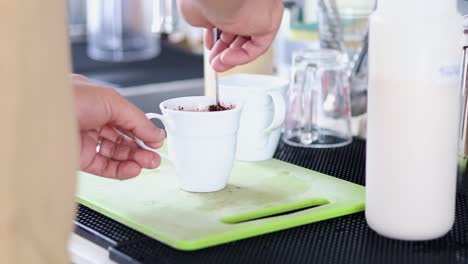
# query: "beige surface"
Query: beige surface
{"points": [[38, 148]]}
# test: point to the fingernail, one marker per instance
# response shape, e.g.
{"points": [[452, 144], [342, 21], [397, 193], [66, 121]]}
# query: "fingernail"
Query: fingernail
{"points": [[154, 163], [213, 60]]}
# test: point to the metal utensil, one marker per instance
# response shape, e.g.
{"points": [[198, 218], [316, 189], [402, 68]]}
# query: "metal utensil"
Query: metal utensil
{"points": [[330, 27], [463, 139], [216, 77]]}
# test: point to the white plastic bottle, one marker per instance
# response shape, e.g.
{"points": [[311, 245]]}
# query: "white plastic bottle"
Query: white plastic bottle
{"points": [[414, 58]]}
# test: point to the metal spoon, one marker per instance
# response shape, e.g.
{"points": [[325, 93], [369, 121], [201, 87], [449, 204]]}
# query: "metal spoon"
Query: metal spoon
{"points": [[215, 38]]}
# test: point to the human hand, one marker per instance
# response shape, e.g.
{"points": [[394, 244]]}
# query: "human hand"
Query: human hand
{"points": [[247, 28], [108, 120]]}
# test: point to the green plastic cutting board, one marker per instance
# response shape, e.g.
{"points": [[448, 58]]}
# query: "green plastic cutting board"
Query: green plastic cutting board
{"points": [[250, 205]]}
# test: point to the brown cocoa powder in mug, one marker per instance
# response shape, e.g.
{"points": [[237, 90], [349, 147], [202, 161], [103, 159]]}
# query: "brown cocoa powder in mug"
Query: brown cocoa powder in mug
{"points": [[219, 107], [211, 108]]}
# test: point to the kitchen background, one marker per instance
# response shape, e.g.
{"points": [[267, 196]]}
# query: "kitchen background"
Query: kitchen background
{"points": [[174, 66]]}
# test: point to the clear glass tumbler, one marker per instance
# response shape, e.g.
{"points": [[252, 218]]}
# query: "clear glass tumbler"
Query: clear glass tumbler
{"points": [[77, 20], [318, 107], [121, 30]]}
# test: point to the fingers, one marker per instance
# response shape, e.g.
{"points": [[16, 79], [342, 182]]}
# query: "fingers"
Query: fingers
{"points": [[79, 77], [239, 41], [94, 163], [99, 111], [245, 51], [120, 159], [97, 107], [117, 136], [218, 66], [232, 50], [128, 117], [226, 42], [123, 152], [209, 39], [116, 145], [238, 50], [221, 45], [108, 168]]}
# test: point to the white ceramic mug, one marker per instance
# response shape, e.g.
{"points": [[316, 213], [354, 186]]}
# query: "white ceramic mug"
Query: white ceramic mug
{"points": [[201, 144], [263, 113]]}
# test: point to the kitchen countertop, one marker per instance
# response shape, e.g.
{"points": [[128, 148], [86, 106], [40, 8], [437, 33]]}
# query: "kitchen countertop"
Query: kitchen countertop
{"points": [[342, 240]]}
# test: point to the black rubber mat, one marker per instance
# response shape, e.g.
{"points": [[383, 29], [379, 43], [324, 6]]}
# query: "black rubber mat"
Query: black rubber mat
{"points": [[341, 240]]}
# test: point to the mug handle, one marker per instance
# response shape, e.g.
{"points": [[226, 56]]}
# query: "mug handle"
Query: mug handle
{"points": [[280, 111], [166, 123]]}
